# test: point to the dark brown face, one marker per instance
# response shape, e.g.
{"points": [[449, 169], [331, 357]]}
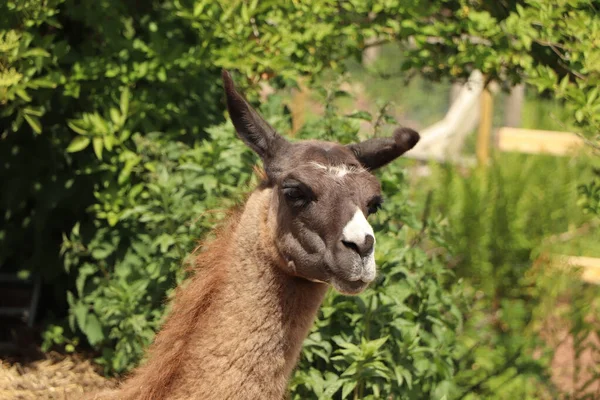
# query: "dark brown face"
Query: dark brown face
{"points": [[321, 200], [322, 195]]}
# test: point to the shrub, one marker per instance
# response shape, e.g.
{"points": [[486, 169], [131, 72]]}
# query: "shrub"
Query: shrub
{"points": [[499, 215], [82, 85], [106, 111], [124, 270], [496, 222]]}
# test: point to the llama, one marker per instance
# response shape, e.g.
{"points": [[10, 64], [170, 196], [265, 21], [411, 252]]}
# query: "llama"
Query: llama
{"points": [[236, 327]]}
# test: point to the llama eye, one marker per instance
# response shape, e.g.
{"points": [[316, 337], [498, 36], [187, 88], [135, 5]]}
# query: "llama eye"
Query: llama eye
{"points": [[374, 205], [297, 192], [374, 208], [293, 193]]}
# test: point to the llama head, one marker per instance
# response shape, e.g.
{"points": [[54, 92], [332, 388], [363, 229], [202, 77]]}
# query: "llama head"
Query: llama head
{"points": [[322, 194]]}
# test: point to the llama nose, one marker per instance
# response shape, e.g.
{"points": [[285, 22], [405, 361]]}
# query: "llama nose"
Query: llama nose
{"points": [[363, 249]]}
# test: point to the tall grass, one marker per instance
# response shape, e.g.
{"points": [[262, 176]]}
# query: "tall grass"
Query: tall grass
{"points": [[500, 220], [497, 216]]}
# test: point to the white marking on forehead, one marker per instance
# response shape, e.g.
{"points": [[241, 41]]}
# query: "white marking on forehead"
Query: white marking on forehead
{"points": [[338, 171]]}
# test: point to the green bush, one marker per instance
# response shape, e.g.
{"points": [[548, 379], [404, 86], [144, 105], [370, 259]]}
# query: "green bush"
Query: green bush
{"points": [[400, 338], [80, 83], [114, 150], [498, 216], [125, 269], [497, 221]]}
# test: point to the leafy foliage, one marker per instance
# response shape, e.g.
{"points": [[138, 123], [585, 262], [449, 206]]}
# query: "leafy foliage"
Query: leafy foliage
{"points": [[590, 196], [500, 223], [131, 257], [78, 82], [499, 215], [532, 41], [113, 150]]}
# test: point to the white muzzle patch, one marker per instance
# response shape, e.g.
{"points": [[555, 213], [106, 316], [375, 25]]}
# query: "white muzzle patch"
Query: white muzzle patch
{"points": [[356, 231]]}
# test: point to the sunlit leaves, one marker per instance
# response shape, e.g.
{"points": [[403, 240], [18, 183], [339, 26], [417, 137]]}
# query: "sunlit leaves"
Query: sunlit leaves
{"points": [[33, 122], [590, 197], [77, 144], [125, 286], [123, 108]]}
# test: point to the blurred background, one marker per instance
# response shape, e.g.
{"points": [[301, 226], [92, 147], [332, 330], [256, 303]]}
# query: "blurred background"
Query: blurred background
{"points": [[116, 157]]}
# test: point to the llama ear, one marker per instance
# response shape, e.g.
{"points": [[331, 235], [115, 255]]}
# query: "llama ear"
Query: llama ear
{"points": [[375, 153], [250, 126]]}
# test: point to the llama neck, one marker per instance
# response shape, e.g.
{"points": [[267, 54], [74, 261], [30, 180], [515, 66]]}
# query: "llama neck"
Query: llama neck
{"points": [[251, 345], [246, 332]]}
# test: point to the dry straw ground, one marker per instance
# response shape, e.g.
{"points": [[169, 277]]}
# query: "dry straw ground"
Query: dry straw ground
{"points": [[56, 377], [59, 377]]}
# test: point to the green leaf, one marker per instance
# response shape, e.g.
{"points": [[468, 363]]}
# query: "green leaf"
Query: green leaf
{"points": [[164, 241], [36, 52], [126, 171], [115, 116], [332, 386], [109, 141], [364, 115], [112, 218], [564, 83], [93, 329], [43, 83], [77, 144], [99, 124], [38, 112], [98, 145], [33, 122], [84, 272], [77, 126], [348, 387], [23, 94], [80, 310], [592, 95], [124, 102], [376, 344], [102, 251], [390, 119]]}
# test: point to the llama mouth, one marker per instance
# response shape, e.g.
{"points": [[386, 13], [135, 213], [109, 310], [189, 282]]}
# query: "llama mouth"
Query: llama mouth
{"points": [[350, 287], [353, 280]]}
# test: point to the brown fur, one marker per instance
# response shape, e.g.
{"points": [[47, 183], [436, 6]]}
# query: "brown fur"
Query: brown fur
{"points": [[236, 328]]}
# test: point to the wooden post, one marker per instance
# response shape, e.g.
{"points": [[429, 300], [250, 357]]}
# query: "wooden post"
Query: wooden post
{"points": [[455, 90], [485, 127], [298, 107], [371, 53], [513, 106]]}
